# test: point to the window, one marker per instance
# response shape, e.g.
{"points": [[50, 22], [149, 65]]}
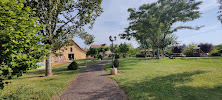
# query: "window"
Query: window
{"points": [[70, 49]]}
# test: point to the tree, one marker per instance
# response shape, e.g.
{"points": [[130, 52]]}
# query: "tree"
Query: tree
{"points": [[19, 41], [132, 51], [189, 49], [103, 49], [63, 20], [177, 49], [220, 11], [155, 21], [206, 47], [93, 52], [123, 48], [115, 49]]}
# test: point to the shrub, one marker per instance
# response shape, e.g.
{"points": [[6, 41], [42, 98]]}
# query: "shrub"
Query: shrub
{"points": [[110, 55], [189, 53], [140, 55], [220, 51], [206, 47], [100, 57], [73, 66], [116, 63], [116, 56], [178, 49], [216, 54]]}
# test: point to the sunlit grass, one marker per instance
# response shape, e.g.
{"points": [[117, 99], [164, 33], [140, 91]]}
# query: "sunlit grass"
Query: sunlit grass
{"points": [[171, 79], [34, 85]]}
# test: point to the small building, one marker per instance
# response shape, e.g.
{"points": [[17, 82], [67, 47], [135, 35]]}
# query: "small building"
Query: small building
{"points": [[197, 52], [70, 52], [147, 52], [102, 45]]}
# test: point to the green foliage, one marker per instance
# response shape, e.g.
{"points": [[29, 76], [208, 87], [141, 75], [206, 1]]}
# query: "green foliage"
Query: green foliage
{"points": [[64, 20], [188, 51], [216, 54], [155, 22], [73, 66], [115, 49], [132, 51], [124, 48], [116, 63], [93, 52], [217, 51], [100, 57], [19, 42], [116, 56], [140, 55], [177, 49], [103, 49]]}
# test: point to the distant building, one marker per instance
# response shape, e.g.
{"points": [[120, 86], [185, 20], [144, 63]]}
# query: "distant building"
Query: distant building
{"points": [[102, 45], [66, 53]]}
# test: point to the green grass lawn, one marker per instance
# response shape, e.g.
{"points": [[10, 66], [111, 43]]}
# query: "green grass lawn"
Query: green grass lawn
{"points": [[171, 79], [34, 85]]}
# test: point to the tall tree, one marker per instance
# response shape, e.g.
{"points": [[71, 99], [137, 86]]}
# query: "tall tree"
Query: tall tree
{"points": [[20, 49], [63, 20], [156, 21], [103, 49], [115, 48], [93, 52], [123, 48]]}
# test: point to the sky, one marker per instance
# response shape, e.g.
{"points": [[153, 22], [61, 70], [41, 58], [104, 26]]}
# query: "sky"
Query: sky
{"points": [[114, 19]]}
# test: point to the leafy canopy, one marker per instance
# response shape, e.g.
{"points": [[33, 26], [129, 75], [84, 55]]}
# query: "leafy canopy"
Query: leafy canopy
{"points": [[155, 22], [64, 20], [19, 41], [206, 47]]}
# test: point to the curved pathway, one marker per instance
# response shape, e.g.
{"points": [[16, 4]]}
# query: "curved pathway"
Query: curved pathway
{"points": [[93, 84]]}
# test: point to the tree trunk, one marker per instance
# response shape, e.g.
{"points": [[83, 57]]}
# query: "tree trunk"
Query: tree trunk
{"points": [[153, 52], [48, 69], [163, 53], [158, 53]]}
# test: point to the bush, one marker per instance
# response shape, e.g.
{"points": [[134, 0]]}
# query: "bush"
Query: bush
{"points": [[110, 55], [178, 49], [220, 51], [73, 66], [206, 47], [216, 54], [100, 57], [140, 55], [116, 63], [189, 53], [116, 56]]}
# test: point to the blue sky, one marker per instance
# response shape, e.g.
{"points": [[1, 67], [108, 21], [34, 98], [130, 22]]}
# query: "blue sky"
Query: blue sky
{"points": [[114, 20]]}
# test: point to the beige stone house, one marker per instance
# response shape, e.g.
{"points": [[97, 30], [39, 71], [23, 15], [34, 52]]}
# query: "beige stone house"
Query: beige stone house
{"points": [[70, 52], [66, 53]]}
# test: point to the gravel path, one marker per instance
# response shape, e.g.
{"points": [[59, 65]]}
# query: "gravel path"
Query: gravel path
{"points": [[93, 84]]}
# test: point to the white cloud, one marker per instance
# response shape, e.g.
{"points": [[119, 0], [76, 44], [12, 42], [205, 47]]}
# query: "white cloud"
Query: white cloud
{"points": [[208, 4], [114, 20]]}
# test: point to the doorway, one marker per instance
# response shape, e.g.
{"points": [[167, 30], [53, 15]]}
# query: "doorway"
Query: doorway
{"points": [[70, 56]]}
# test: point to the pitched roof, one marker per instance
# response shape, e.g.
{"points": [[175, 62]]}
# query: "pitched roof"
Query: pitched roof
{"points": [[97, 46], [77, 45]]}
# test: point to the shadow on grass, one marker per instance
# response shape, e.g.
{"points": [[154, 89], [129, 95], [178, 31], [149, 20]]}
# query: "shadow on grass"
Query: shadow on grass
{"points": [[171, 88]]}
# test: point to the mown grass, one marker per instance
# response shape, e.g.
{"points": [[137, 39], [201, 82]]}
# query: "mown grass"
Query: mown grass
{"points": [[171, 79], [34, 85]]}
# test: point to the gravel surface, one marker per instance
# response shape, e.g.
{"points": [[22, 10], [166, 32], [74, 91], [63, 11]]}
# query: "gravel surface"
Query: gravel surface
{"points": [[93, 84]]}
